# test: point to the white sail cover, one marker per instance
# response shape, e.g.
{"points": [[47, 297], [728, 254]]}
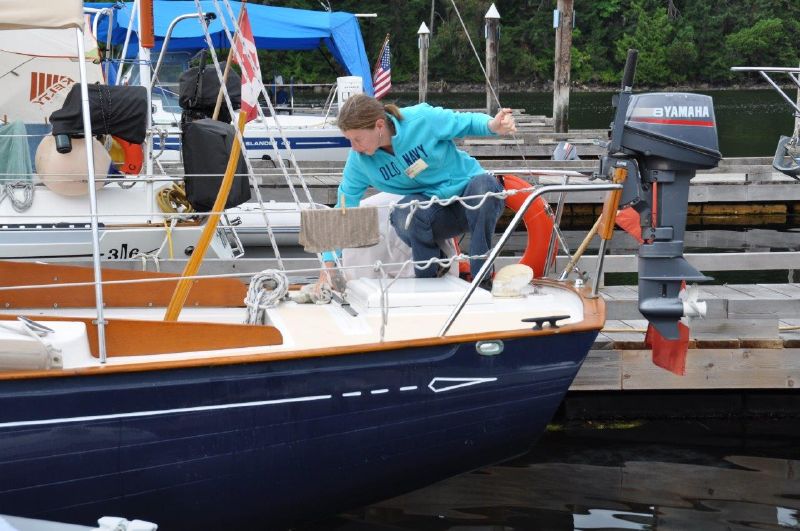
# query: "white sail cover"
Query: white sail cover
{"points": [[37, 69], [28, 14]]}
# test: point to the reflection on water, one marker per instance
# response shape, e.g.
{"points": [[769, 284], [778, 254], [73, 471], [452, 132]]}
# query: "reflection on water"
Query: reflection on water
{"points": [[654, 475], [605, 519]]}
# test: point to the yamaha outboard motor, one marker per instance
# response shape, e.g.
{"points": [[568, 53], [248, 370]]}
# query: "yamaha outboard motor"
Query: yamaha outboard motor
{"points": [[660, 140]]}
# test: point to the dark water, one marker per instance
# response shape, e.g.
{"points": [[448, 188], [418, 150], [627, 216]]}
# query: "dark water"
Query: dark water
{"points": [[703, 474], [749, 122]]}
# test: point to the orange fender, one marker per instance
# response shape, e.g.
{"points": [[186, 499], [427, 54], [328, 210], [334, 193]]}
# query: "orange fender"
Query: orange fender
{"points": [[130, 158], [537, 221]]}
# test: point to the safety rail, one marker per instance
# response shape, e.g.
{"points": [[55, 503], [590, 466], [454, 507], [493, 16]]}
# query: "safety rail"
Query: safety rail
{"points": [[495, 251], [787, 147], [792, 72]]}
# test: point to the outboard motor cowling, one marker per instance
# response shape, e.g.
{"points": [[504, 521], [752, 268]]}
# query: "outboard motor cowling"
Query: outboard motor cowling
{"points": [[677, 127], [661, 140]]}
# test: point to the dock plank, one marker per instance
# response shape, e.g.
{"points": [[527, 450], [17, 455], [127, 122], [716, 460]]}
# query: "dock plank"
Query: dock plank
{"points": [[722, 292], [624, 293], [601, 371], [759, 291], [742, 368], [715, 369], [625, 334], [790, 332], [791, 291]]}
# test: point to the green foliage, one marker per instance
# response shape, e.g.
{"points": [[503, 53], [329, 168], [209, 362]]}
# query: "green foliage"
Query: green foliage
{"points": [[681, 54], [697, 46], [762, 43], [650, 33]]}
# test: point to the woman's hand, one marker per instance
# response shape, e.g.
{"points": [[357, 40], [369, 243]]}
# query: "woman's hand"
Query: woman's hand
{"points": [[503, 123], [332, 277]]}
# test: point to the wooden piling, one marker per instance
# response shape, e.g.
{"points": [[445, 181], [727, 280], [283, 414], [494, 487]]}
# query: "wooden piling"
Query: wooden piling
{"points": [[563, 59], [424, 42], [492, 18]]}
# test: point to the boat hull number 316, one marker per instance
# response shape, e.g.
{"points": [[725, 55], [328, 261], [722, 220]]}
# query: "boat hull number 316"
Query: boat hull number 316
{"points": [[122, 253]]}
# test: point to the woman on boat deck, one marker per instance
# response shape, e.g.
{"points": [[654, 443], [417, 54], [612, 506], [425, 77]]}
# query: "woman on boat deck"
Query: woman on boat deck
{"points": [[410, 152]]}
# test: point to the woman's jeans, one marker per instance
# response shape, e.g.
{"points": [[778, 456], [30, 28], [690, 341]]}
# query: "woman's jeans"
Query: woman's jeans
{"points": [[437, 223]]}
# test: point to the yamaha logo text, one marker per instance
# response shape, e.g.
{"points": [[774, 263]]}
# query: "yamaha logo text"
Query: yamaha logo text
{"points": [[682, 111]]}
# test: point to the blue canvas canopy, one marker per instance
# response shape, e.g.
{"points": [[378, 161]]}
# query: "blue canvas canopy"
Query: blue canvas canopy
{"points": [[274, 28]]}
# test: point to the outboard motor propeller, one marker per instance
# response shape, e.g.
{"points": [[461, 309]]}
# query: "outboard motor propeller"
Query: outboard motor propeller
{"points": [[660, 140]]}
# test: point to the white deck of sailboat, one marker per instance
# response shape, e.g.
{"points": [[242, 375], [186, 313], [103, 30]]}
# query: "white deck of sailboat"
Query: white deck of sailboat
{"points": [[418, 310]]}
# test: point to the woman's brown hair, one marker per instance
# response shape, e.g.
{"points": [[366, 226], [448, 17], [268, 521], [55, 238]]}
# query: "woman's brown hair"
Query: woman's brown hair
{"points": [[361, 112]]}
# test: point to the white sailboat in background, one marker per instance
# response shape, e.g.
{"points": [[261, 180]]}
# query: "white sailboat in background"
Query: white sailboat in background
{"points": [[179, 32], [52, 222]]}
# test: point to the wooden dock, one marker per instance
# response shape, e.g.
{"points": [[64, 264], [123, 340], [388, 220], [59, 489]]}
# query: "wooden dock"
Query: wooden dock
{"points": [[735, 181], [749, 340]]}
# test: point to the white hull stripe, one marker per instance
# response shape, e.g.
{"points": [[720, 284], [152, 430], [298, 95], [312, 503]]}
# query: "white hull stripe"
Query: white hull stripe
{"points": [[162, 412], [435, 385]]}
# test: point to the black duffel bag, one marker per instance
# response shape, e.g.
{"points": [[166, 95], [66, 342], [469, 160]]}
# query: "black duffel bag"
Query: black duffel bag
{"points": [[206, 147], [199, 87]]}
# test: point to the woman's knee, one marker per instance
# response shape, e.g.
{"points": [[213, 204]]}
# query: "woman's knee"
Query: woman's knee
{"points": [[485, 182], [398, 220], [419, 227]]}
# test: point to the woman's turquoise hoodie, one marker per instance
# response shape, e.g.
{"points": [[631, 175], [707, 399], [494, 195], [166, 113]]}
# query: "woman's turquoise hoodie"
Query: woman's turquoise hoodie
{"points": [[425, 133]]}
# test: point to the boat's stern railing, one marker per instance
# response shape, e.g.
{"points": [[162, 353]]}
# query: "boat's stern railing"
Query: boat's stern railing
{"points": [[165, 46], [765, 71], [787, 152], [501, 242]]}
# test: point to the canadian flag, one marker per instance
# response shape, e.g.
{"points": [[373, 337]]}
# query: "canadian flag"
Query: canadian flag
{"points": [[246, 56]]}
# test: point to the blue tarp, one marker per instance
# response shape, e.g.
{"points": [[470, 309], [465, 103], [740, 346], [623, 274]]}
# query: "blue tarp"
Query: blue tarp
{"points": [[274, 28]]}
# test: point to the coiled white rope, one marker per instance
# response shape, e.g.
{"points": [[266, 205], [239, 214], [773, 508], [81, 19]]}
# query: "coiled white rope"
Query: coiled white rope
{"points": [[265, 290], [19, 205]]}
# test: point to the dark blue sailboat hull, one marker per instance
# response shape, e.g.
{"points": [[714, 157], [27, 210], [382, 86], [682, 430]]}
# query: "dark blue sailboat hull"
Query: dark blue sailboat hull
{"points": [[270, 443]]}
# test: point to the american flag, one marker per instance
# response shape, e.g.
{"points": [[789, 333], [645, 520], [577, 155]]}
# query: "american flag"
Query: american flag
{"points": [[382, 77], [251, 71]]}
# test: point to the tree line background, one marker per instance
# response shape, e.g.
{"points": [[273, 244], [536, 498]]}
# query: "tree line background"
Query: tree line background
{"points": [[680, 42]]}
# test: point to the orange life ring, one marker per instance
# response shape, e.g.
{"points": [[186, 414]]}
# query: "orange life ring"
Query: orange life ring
{"points": [[129, 157], [463, 266], [537, 221]]}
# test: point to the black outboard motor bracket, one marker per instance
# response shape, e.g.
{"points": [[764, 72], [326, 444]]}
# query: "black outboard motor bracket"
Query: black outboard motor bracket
{"points": [[661, 139]]}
